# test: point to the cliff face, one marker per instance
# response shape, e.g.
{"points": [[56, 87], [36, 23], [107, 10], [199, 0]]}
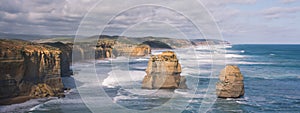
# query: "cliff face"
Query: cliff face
{"points": [[104, 49], [132, 50], [163, 72], [65, 57], [157, 45], [108, 48], [231, 83], [25, 64]]}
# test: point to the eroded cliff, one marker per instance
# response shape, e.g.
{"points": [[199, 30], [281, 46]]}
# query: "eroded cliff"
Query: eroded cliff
{"points": [[108, 48], [132, 50], [25, 64], [104, 49], [65, 57]]}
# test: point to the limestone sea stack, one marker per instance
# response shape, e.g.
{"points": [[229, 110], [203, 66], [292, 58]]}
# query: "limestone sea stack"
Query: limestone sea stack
{"points": [[163, 72], [231, 83]]}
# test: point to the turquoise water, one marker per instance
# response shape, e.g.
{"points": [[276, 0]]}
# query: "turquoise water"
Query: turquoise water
{"points": [[271, 78]]}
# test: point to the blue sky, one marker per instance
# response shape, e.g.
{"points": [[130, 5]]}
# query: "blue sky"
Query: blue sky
{"points": [[240, 21], [268, 21]]}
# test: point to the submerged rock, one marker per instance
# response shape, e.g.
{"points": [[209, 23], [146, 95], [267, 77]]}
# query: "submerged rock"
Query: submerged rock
{"points": [[163, 72], [231, 83]]}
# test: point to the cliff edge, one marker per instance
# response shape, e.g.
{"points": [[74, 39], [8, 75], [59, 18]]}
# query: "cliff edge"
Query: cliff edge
{"points": [[24, 65]]}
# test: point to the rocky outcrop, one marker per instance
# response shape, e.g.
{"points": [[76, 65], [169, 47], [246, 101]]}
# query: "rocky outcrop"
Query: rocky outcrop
{"points": [[25, 64], [108, 48], [41, 90], [104, 49], [132, 50], [157, 45], [163, 72], [65, 57], [231, 83]]}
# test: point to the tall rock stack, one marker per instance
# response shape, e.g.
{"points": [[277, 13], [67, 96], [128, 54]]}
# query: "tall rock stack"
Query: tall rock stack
{"points": [[231, 83], [163, 72]]}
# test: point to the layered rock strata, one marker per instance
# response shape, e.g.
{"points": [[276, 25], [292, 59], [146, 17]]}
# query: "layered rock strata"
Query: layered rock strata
{"points": [[231, 83], [25, 64], [107, 48], [65, 57], [163, 72], [132, 50], [104, 49]]}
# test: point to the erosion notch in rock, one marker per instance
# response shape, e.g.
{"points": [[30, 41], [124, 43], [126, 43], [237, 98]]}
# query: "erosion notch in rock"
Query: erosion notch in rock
{"points": [[231, 83], [163, 72]]}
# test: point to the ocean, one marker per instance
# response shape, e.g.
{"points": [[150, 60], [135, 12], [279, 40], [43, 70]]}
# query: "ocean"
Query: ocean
{"points": [[271, 78]]}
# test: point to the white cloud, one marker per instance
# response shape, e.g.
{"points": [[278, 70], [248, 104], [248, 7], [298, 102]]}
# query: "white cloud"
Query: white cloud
{"points": [[64, 16], [287, 1], [279, 12], [221, 3]]}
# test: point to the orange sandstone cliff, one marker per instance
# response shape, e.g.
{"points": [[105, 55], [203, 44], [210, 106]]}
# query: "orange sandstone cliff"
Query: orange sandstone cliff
{"points": [[26, 65]]}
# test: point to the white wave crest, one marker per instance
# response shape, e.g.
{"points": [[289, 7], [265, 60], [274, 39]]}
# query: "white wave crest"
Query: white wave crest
{"points": [[119, 76]]}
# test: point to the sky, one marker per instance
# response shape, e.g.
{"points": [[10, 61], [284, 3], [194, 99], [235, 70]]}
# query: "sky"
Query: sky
{"points": [[239, 21]]}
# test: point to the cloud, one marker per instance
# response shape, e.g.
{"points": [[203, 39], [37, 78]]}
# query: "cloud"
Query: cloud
{"points": [[59, 13], [11, 6], [50, 15], [287, 1], [150, 14], [236, 18], [279, 12], [214, 3]]}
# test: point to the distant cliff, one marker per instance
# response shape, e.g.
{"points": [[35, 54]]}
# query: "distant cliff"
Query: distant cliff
{"points": [[104, 49], [157, 45], [110, 48], [132, 50], [115, 46], [164, 42], [24, 65]]}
